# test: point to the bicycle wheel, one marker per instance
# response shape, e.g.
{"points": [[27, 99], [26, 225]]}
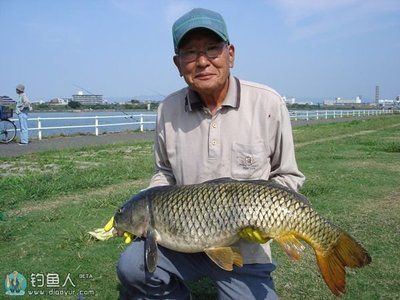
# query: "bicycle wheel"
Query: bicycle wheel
{"points": [[8, 130]]}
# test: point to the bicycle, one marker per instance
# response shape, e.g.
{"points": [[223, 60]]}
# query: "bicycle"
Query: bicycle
{"points": [[8, 130]]}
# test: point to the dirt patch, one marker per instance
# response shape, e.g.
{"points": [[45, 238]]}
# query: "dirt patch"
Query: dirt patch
{"points": [[338, 137], [134, 149], [58, 202], [84, 165], [368, 164], [384, 209], [20, 168]]}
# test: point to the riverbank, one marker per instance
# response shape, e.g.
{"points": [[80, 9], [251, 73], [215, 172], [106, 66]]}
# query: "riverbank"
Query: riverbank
{"points": [[78, 141], [72, 142]]}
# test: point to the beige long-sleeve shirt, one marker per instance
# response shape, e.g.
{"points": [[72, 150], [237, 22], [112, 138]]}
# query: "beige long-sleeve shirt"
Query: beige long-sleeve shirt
{"points": [[23, 104], [250, 137]]}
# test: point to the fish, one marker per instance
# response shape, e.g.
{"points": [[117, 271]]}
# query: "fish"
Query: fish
{"points": [[208, 217]]}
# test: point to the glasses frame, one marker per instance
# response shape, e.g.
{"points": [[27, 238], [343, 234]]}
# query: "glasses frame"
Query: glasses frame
{"points": [[181, 54]]}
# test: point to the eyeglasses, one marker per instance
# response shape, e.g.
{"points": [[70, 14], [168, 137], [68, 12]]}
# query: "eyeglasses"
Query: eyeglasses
{"points": [[211, 52]]}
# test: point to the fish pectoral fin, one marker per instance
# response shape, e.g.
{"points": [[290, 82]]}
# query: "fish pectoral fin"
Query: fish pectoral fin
{"points": [[291, 245], [225, 257], [151, 250], [237, 257]]}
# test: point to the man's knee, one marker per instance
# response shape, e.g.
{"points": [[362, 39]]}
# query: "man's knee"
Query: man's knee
{"points": [[131, 265]]}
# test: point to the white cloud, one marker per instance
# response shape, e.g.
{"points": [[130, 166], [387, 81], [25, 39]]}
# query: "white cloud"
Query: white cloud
{"points": [[332, 18]]}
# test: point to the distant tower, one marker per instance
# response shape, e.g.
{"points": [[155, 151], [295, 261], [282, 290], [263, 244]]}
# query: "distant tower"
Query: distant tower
{"points": [[377, 94]]}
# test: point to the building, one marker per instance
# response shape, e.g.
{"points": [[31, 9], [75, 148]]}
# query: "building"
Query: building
{"points": [[58, 101], [87, 99], [340, 101], [329, 102], [5, 100], [389, 102], [289, 100]]}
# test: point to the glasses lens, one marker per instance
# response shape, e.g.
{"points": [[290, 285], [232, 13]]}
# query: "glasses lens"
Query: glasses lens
{"points": [[210, 52], [188, 56], [214, 51]]}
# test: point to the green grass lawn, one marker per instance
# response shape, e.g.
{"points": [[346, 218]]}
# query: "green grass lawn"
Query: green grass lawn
{"points": [[48, 202]]}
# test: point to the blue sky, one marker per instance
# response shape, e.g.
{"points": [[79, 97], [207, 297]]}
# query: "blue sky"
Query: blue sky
{"points": [[308, 49]]}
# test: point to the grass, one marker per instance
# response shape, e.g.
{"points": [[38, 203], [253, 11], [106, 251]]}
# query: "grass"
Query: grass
{"points": [[48, 202]]}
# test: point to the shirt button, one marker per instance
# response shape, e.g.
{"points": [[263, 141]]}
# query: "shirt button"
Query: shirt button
{"points": [[214, 125], [214, 142]]}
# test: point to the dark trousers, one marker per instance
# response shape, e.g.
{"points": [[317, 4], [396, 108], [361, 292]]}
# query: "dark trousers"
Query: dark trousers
{"points": [[252, 281]]}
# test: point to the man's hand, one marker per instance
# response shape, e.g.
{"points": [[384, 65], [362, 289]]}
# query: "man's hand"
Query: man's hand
{"points": [[253, 235]]}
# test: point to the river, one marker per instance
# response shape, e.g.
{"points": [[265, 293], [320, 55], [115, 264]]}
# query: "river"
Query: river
{"points": [[130, 117]]}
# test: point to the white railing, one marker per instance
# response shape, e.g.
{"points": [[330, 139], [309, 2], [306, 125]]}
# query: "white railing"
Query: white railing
{"points": [[296, 115], [143, 119], [96, 122]]}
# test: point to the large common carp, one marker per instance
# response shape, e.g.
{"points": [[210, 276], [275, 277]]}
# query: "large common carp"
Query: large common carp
{"points": [[209, 216]]}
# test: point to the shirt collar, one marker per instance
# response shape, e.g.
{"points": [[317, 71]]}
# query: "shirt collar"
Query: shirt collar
{"points": [[232, 98]]}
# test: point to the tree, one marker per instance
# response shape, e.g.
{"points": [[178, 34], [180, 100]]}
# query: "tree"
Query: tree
{"points": [[74, 104]]}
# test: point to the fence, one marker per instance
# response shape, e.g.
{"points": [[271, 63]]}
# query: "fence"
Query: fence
{"points": [[150, 119], [96, 122], [332, 114]]}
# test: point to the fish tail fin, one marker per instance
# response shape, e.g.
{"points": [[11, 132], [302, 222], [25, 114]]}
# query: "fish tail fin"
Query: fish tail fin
{"points": [[332, 263]]}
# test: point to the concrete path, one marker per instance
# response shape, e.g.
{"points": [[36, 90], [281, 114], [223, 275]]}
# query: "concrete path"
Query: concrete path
{"points": [[73, 142]]}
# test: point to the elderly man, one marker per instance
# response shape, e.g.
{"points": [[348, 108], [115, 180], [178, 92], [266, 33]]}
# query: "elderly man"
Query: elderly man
{"points": [[22, 108], [218, 126]]}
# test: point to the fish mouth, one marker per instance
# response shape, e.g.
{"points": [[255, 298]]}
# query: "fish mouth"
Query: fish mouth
{"points": [[122, 218]]}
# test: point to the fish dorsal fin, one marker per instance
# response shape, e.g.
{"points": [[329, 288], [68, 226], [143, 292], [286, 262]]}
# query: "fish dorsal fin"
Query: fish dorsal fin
{"points": [[292, 246], [151, 250], [225, 257]]}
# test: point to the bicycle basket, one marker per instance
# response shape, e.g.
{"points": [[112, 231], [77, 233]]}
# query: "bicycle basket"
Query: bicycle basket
{"points": [[5, 112]]}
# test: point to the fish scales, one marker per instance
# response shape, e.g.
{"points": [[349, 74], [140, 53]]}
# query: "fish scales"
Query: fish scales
{"points": [[215, 213], [211, 216]]}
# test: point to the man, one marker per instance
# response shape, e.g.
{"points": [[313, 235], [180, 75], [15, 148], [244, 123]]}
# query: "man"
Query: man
{"points": [[219, 126], [22, 108]]}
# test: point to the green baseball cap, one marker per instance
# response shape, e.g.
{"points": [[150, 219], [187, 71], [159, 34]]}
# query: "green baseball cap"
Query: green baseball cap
{"points": [[199, 18]]}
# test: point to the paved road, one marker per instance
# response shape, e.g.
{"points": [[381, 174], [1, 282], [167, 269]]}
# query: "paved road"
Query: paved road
{"points": [[13, 149]]}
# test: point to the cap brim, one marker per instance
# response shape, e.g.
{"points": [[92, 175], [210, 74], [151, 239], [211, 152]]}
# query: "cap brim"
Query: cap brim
{"points": [[218, 34]]}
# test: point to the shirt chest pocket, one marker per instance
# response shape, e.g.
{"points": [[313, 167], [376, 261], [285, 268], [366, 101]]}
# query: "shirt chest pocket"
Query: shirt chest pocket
{"points": [[249, 161]]}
